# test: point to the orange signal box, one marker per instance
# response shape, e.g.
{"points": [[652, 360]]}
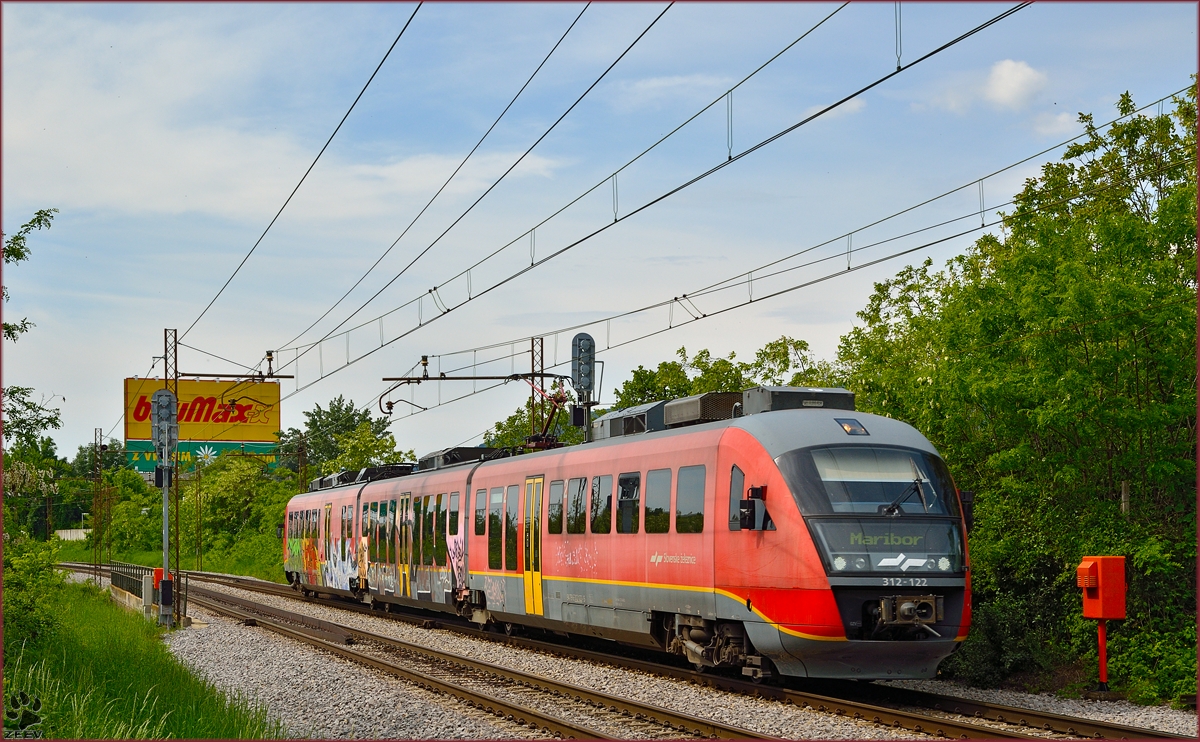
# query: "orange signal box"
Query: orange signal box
{"points": [[158, 576], [1103, 581]]}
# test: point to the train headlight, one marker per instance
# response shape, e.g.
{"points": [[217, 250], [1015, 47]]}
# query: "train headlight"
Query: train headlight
{"points": [[860, 563], [839, 563], [944, 564]]}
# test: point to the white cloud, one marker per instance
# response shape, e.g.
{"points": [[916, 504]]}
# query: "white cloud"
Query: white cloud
{"points": [[148, 119], [651, 90], [1056, 125], [1013, 84], [853, 105], [1009, 84]]}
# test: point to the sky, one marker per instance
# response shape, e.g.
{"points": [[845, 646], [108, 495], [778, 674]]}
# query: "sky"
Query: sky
{"points": [[168, 136]]}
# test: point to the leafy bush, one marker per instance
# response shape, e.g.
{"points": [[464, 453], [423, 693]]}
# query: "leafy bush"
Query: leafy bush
{"points": [[30, 583]]}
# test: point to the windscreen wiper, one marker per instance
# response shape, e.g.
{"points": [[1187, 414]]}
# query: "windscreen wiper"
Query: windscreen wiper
{"points": [[918, 477]]}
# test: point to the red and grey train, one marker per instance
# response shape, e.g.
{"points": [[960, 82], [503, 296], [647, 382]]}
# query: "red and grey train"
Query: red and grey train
{"points": [[800, 538]]}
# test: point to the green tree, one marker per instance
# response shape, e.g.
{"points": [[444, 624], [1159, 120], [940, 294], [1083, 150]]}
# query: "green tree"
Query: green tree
{"points": [[363, 447], [1050, 366], [24, 419], [513, 430], [321, 428], [783, 361], [16, 251]]}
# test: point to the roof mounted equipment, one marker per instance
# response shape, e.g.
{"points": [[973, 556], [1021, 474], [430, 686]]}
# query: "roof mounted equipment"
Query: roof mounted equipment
{"points": [[773, 398], [700, 408]]}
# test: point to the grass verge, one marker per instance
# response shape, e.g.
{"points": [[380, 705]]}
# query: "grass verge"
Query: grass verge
{"points": [[106, 674], [258, 556]]}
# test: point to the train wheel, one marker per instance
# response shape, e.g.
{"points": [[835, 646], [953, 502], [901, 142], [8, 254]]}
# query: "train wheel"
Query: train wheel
{"points": [[699, 666]]}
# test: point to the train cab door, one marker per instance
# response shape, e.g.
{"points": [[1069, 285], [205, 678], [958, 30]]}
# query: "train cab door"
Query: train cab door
{"points": [[533, 546]]}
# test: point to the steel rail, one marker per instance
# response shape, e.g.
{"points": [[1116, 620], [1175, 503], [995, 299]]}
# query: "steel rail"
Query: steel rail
{"points": [[519, 714], [983, 710], [666, 717], [895, 718], [1001, 713]]}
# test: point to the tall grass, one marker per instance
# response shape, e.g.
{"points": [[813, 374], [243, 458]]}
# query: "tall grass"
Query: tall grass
{"points": [[107, 675], [259, 555]]}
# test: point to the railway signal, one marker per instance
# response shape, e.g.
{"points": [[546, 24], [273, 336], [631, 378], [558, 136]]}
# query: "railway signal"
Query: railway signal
{"points": [[583, 377], [164, 431]]}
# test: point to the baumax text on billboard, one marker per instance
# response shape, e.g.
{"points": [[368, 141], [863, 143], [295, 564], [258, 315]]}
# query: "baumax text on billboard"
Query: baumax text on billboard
{"points": [[208, 410]]}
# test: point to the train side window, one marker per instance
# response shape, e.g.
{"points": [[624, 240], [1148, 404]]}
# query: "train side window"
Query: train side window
{"points": [[453, 513], [364, 526], [658, 501], [439, 540], [427, 543], [386, 517], [375, 532], [417, 529], [554, 508], [495, 526], [602, 504], [393, 535], [737, 485], [689, 500], [577, 505], [511, 502], [480, 512], [629, 502]]}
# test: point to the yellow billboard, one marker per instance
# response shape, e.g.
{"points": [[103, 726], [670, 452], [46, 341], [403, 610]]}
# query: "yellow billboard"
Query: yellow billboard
{"points": [[209, 410]]}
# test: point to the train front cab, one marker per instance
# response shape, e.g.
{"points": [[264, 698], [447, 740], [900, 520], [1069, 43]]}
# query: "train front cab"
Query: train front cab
{"points": [[857, 566]]}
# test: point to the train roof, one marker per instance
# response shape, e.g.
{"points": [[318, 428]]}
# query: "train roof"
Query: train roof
{"points": [[779, 431]]}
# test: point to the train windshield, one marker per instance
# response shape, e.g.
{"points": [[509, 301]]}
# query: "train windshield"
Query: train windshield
{"points": [[877, 508], [862, 480]]}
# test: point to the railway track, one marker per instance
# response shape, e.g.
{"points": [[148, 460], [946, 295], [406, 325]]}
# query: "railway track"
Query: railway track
{"points": [[939, 715], [578, 711]]}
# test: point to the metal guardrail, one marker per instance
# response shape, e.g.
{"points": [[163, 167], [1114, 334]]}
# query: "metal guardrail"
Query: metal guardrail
{"points": [[128, 577]]}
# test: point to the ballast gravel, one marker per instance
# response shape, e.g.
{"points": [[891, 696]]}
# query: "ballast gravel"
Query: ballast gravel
{"points": [[760, 715], [1162, 718], [319, 696]]}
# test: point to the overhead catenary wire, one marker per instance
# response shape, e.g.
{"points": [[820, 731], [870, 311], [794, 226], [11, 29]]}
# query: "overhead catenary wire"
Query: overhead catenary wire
{"points": [[827, 277], [695, 312], [667, 194], [303, 177], [443, 186], [612, 177], [734, 282], [502, 176]]}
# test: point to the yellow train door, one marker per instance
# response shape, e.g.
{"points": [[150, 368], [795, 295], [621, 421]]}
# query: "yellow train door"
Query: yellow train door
{"points": [[533, 546], [404, 523]]}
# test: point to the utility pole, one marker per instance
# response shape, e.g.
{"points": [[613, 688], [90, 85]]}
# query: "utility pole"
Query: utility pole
{"points": [[302, 463], [537, 407], [171, 378], [199, 517], [97, 505]]}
